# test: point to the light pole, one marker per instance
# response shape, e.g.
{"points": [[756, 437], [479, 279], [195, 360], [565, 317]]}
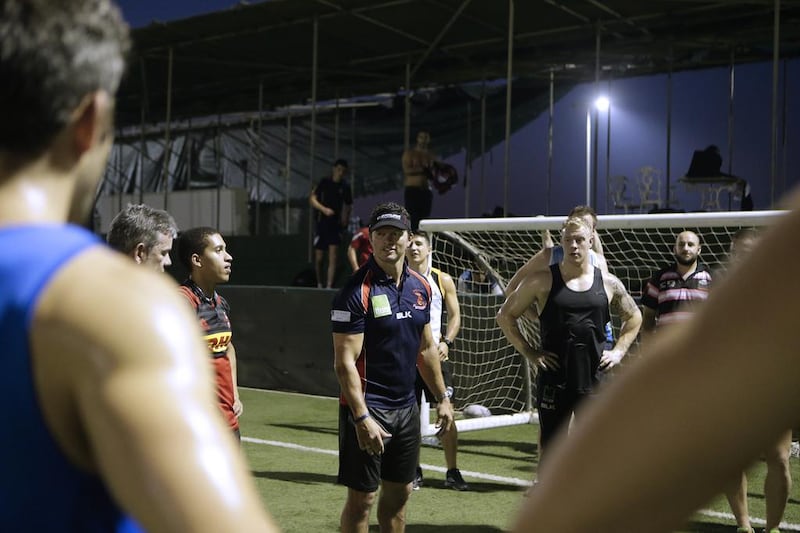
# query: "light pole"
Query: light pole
{"points": [[602, 103]]}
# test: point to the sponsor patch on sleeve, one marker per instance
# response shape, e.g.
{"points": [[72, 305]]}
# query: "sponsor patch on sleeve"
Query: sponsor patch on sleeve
{"points": [[338, 315]]}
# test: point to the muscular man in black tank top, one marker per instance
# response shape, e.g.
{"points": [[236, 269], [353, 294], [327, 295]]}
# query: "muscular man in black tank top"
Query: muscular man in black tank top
{"points": [[572, 301]]}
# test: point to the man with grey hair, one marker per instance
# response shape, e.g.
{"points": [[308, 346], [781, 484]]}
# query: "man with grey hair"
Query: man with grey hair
{"points": [[145, 234]]}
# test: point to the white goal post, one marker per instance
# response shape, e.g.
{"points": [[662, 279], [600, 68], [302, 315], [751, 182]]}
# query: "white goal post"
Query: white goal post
{"points": [[487, 370]]}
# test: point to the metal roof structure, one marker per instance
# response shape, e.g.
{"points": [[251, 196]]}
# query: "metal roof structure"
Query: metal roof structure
{"points": [[263, 56]]}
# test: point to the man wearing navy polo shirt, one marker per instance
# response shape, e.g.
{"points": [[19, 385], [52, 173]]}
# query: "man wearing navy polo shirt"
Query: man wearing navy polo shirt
{"points": [[381, 334]]}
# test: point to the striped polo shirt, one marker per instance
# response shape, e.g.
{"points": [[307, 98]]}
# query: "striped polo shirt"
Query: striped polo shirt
{"points": [[673, 297]]}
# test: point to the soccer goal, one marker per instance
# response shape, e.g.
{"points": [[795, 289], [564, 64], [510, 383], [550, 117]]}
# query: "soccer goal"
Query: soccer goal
{"points": [[487, 369]]}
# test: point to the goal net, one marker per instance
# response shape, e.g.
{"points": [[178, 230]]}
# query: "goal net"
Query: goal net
{"points": [[487, 369]]}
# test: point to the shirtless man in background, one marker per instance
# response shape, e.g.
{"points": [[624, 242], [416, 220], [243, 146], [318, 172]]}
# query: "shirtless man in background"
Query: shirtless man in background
{"points": [[418, 197]]}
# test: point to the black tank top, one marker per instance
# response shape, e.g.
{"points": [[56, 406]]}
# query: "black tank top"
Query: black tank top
{"points": [[573, 326]]}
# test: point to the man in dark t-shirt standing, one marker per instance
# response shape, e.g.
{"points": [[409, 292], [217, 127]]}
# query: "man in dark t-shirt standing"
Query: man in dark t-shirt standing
{"points": [[333, 200]]}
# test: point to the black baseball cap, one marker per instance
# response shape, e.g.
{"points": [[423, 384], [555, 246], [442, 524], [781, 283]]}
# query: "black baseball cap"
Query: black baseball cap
{"points": [[389, 215], [340, 163]]}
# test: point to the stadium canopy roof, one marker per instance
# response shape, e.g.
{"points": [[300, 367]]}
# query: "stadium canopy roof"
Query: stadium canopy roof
{"points": [[220, 61]]}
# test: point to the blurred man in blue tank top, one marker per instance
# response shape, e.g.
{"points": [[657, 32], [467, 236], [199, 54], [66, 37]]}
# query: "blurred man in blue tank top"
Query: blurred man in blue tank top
{"points": [[89, 337]]}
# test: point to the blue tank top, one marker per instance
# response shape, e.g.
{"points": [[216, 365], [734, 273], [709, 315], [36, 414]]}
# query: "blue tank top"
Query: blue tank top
{"points": [[40, 489]]}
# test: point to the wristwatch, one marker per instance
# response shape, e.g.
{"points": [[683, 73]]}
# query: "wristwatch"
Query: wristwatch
{"points": [[448, 393], [448, 342]]}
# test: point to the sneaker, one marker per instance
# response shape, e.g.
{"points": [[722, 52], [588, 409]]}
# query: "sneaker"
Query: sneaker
{"points": [[455, 481], [418, 480]]}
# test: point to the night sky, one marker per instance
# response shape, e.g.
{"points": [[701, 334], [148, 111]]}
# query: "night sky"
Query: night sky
{"points": [[142, 12]]}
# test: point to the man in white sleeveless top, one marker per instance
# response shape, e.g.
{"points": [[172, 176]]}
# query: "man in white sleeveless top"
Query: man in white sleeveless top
{"points": [[443, 298]]}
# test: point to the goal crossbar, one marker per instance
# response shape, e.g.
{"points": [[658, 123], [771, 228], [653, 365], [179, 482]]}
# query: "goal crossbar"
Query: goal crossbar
{"points": [[655, 220]]}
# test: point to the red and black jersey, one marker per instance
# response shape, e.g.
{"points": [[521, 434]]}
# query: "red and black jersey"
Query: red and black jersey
{"points": [[213, 316]]}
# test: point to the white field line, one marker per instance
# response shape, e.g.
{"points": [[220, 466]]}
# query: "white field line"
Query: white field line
{"points": [[785, 526], [477, 475], [287, 393], [517, 482]]}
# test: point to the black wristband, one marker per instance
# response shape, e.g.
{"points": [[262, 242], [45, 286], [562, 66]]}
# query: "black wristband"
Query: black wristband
{"points": [[448, 342]]}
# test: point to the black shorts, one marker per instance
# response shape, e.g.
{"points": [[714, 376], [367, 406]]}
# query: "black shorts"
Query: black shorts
{"points": [[363, 472], [447, 376], [329, 233], [419, 202], [555, 405]]}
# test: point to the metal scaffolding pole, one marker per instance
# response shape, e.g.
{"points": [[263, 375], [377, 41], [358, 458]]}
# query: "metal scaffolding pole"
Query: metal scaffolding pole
{"points": [[120, 176], [550, 116], [313, 133], [589, 156], [608, 148], [143, 143], [287, 174], [407, 109], [167, 140], [731, 88], [509, 74], [784, 125], [669, 125], [218, 150], [260, 157], [467, 162], [336, 130], [483, 147], [776, 52], [189, 170], [352, 162], [596, 113]]}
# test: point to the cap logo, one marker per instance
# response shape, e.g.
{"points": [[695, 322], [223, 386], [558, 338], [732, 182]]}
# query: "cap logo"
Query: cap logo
{"points": [[398, 220]]}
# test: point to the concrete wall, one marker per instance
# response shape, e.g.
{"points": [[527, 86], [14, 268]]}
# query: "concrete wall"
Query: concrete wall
{"points": [[283, 338], [273, 260]]}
